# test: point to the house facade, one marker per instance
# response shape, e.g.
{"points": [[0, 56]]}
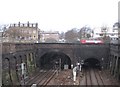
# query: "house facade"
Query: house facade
{"points": [[25, 32]]}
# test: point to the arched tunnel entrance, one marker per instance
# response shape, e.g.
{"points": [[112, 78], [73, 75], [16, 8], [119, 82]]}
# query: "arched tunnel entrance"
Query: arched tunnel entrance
{"points": [[52, 60], [92, 63]]}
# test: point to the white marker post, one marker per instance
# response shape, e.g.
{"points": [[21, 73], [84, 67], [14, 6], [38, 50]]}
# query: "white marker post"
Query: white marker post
{"points": [[23, 73], [78, 65], [71, 66], [74, 73], [80, 68], [34, 85]]}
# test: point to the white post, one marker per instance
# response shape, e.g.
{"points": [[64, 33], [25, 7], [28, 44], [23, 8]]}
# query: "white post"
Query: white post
{"points": [[23, 72], [78, 65], [80, 68], [22, 67], [34, 85], [71, 66], [74, 73]]}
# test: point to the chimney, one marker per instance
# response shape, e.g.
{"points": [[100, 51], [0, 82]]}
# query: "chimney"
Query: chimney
{"points": [[28, 24], [23, 25], [14, 25], [32, 25], [36, 25], [19, 24]]}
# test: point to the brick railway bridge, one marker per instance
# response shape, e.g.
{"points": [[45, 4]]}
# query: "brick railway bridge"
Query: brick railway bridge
{"points": [[46, 52], [70, 53], [36, 55]]}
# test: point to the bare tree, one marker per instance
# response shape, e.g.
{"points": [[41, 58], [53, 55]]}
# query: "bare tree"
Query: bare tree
{"points": [[117, 24], [11, 34], [104, 30], [62, 35], [85, 32], [71, 35], [104, 36]]}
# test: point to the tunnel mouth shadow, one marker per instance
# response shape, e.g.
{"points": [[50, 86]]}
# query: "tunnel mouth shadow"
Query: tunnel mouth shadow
{"points": [[92, 63], [55, 60]]}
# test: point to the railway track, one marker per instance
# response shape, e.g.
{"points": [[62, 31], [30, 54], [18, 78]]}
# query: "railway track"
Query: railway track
{"points": [[99, 79], [88, 80], [34, 79], [93, 77], [42, 78], [46, 78]]}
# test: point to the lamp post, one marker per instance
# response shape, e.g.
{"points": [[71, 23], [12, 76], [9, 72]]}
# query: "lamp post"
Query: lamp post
{"points": [[1, 59], [102, 63], [59, 64]]}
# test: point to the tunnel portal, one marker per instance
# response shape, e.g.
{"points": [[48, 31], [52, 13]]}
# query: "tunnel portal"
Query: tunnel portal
{"points": [[92, 63], [53, 60]]}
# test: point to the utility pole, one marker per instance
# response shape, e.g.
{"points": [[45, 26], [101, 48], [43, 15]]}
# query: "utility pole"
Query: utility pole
{"points": [[1, 60], [60, 64], [102, 63]]}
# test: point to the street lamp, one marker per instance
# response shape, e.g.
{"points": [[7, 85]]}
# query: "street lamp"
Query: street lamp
{"points": [[102, 62], [60, 64]]}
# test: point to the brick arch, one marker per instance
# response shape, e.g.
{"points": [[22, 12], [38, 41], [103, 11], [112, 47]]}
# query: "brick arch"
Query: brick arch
{"points": [[94, 57], [94, 62], [54, 53], [56, 50]]}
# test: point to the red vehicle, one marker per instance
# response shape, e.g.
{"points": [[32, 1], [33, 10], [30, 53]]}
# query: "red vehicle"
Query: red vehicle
{"points": [[91, 41]]}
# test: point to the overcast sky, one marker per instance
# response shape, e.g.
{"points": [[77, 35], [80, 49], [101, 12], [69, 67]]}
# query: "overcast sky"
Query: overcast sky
{"points": [[60, 15]]}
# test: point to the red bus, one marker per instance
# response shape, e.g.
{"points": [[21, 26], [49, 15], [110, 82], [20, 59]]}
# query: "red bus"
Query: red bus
{"points": [[91, 41]]}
